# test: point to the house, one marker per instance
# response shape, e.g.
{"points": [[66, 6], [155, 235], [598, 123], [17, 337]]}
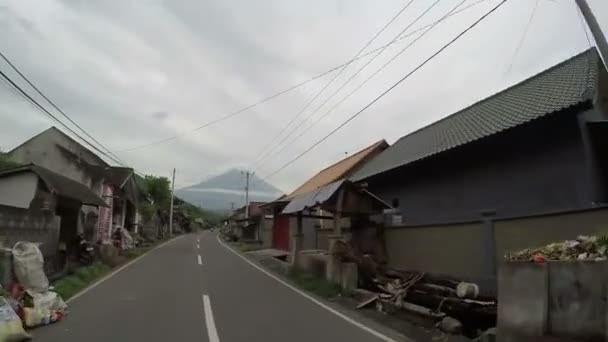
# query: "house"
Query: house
{"points": [[37, 204], [315, 230], [523, 167], [253, 226], [56, 151]]}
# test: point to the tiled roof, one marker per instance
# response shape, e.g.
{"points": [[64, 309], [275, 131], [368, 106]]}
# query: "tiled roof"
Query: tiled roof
{"points": [[341, 169], [60, 185], [564, 85]]}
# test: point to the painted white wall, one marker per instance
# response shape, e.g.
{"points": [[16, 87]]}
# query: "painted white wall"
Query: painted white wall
{"points": [[18, 190]]}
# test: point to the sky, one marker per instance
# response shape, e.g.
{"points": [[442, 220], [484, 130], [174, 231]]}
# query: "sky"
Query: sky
{"points": [[135, 72]]}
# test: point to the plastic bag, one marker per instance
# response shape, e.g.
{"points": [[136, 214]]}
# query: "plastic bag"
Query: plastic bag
{"points": [[29, 267], [34, 317], [46, 300], [11, 328]]}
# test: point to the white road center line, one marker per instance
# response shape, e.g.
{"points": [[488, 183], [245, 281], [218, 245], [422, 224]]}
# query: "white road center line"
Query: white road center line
{"points": [[209, 322], [200, 260], [198, 246]]}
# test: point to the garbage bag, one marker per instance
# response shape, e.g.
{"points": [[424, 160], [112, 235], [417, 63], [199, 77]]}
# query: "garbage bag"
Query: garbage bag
{"points": [[28, 264], [34, 317], [11, 327], [46, 300]]}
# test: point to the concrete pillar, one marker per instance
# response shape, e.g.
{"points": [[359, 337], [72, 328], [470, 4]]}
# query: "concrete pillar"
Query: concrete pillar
{"points": [[349, 276], [333, 268], [296, 248]]}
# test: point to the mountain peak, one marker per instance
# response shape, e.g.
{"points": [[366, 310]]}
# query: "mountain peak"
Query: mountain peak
{"points": [[219, 192]]}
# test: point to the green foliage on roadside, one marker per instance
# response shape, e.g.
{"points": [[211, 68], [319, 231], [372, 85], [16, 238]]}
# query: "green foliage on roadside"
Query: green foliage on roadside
{"points": [[159, 190], [316, 285], [70, 285], [210, 217]]}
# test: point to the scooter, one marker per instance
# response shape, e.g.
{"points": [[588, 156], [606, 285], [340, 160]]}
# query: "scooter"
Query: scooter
{"points": [[86, 251]]}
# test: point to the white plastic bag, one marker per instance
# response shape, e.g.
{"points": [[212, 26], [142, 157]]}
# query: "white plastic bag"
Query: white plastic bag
{"points": [[47, 300], [28, 264], [11, 328]]}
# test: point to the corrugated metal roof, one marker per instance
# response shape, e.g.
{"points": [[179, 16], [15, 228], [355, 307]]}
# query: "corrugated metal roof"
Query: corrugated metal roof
{"points": [[60, 185], [341, 169], [567, 84], [313, 198]]}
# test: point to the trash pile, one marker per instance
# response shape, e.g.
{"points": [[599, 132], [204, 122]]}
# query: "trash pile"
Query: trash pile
{"points": [[591, 248], [28, 301]]}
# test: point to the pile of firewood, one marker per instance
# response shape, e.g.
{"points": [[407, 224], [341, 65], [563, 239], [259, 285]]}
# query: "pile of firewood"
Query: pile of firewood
{"points": [[454, 305]]}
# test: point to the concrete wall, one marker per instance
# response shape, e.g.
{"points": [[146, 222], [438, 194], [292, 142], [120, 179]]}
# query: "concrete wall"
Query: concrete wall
{"points": [[18, 190], [517, 234], [26, 225], [475, 251], [449, 249], [529, 170], [43, 150]]}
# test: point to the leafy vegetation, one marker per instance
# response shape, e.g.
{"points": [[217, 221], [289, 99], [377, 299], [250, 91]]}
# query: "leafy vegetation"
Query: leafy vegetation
{"points": [[316, 285], [68, 286]]}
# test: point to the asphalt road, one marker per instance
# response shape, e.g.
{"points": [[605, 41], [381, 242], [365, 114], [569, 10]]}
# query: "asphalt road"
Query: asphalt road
{"points": [[199, 291]]}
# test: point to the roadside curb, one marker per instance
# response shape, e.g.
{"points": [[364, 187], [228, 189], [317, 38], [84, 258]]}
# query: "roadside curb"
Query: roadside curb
{"points": [[317, 300], [116, 271]]}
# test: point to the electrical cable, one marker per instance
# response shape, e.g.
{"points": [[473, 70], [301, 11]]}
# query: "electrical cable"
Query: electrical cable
{"points": [[389, 89], [293, 87], [58, 109], [369, 78], [259, 161], [264, 152]]}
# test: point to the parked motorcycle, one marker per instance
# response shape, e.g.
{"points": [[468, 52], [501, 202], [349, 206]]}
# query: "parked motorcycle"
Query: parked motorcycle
{"points": [[86, 251]]}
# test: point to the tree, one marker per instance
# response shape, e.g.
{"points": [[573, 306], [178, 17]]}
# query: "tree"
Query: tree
{"points": [[158, 188]]}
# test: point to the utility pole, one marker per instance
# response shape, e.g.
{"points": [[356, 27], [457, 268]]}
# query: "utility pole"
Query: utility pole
{"points": [[247, 175], [171, 207], [595, 29], [232, 206]]}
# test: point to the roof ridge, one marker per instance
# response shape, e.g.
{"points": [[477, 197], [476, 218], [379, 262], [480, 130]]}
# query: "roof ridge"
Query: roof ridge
{"points": [[589, 51], [352, 155]]}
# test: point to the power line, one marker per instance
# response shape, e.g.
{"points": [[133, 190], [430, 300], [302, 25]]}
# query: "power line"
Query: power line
{"points": [[272, 141], [57, 108], [293, 87], [387, 90], [523, 37], [372, 75], [49, 114], [583, 25]]}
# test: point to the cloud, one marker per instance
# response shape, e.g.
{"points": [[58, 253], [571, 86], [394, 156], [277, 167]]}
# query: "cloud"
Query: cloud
{"points": [[133, 72]]}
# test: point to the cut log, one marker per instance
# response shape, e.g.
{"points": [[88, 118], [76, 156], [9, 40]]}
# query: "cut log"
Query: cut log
{"points": [[470, 314], [434, 289], [367, 302], [421, 310]]}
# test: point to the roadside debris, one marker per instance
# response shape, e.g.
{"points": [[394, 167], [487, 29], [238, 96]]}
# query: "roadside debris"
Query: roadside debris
{"points": [[28, 264], [11, 327], [583, 248]]}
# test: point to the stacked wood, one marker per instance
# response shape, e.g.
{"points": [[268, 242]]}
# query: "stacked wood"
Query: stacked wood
{"points": [[429, 296]]}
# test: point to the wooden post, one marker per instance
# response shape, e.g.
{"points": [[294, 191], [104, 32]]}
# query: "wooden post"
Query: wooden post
{"points": [[297, 242]]}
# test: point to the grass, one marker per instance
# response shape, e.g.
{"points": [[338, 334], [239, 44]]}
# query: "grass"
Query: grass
{"points": [[70, 285], [317, 285]]}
